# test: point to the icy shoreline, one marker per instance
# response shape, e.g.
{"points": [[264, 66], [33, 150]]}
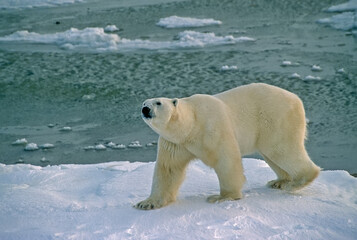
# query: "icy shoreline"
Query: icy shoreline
{"points": [[95, 202]]}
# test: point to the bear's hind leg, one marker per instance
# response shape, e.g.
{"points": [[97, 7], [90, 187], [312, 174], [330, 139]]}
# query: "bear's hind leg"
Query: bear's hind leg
{"points": [[297, 165], [283, 176]]}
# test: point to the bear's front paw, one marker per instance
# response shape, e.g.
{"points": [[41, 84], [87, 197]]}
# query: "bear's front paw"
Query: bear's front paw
{"points": [[148, 204]]}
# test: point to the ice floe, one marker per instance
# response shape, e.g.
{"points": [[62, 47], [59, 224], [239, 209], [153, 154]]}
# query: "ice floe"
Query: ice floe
{"points": [[310, 77], [316, 68], [88, 97], [21, 141], [119, 146], [47, 146], [34, 3], [66, 129], [111, 28], [135, 144], [31, 147], [98, 40], [343, 21], [289, 64], [229, 68], [341, 70], [181, 22], [346, 19], [100, 147], [343, 7], [295, 76]]}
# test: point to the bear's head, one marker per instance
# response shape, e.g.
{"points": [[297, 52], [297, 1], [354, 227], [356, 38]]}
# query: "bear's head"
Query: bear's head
{"points": [[163, 116], [157, 112]]}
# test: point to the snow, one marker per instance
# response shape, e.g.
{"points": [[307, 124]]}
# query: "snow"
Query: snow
{"points": [[95, 202], [99, 40], [34, 3], [181, 22]]}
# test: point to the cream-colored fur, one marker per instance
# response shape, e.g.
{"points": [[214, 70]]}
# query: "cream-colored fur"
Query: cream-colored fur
{"points": [[219, 130]]}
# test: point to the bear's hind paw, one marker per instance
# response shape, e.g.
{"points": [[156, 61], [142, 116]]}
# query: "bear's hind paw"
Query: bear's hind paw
{"points": [[148, 204], [219, 198], [279, 184]]}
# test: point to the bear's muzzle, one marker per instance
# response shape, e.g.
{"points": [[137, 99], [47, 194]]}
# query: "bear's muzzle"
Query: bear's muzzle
{"points": [[146, 112]]}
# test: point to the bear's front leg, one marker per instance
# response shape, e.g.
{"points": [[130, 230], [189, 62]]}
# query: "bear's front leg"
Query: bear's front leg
{"points": [[171, 163], [229, 170]]}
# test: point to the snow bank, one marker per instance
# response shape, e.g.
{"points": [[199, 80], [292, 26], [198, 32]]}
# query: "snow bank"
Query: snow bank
{"points": [[347, 20], [34, 3], [97, 39], [95, 202], [181, 22]]}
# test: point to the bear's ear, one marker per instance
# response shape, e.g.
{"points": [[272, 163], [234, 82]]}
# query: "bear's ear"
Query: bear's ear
{"points": [[175, 101]]}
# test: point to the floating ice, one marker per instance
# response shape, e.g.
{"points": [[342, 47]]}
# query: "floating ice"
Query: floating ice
{"points": [[310, 77], [96, 39], [228, 68], [47, 146], [316, 68], [31, 147], [348, 6], [34, 3], [89, 97], [295, 76], [111, 28], [343, 21], [119, 146], [288, 64], [66, 129], [135, 144], [341, 70], [89, 148], [347, 20], [181, 22], [100, 147], [21, 141], [110, 144]]}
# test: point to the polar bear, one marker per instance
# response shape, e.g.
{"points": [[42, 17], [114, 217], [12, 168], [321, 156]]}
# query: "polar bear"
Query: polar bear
{"points": [[219, 130]]}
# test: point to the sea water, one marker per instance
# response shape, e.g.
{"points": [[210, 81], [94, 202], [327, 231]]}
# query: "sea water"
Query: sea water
{"points": [[74, 74]]}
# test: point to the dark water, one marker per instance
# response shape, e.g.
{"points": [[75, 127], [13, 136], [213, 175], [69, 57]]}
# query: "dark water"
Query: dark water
{"points": [[42, 84]]}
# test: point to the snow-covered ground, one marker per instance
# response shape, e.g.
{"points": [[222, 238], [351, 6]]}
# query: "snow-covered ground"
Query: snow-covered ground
{"points": [[95, 202]]}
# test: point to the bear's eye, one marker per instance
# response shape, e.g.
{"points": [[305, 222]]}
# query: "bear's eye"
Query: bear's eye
{"points": [[158, 103]]}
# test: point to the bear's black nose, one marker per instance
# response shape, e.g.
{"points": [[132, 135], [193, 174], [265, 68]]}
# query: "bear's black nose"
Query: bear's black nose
{"points": [[146, 112]]}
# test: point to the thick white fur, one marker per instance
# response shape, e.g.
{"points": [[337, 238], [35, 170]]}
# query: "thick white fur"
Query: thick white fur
{"points": [[219, 130]]}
